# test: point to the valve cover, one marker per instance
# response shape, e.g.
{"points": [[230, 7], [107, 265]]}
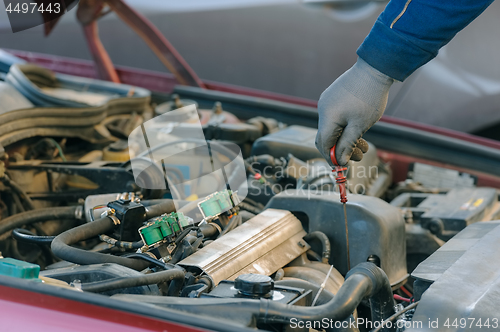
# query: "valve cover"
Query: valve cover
{"points": [[262, 245]]}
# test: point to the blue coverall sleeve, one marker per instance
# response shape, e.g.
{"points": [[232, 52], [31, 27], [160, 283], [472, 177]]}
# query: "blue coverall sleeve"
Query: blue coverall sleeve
{"points": [[409, 33]]}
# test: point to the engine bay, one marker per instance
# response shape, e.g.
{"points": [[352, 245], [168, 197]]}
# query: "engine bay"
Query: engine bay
{"points": [[271, 250]]}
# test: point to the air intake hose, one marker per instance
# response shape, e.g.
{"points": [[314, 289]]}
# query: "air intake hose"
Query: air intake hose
{"points": [[364, 280]]}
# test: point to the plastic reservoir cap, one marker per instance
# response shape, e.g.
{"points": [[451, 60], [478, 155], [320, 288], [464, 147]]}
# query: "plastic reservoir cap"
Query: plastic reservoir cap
{"points": [[18, 269], [254, 284]]}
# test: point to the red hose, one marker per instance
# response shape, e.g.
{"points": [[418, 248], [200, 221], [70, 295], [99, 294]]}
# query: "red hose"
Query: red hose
{"points": [[400, 298], [407, 292]]}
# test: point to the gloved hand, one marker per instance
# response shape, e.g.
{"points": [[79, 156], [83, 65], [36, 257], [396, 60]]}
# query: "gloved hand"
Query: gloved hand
{"points": [[348, 108]]}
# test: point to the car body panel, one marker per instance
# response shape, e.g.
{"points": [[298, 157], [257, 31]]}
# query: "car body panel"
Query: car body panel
{"points": [[40, 312]]}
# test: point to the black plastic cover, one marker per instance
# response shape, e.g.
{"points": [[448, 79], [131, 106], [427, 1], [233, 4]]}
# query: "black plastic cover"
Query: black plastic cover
{"points": [[447, 214], [459, 207], [100, 272], [131, 216], [237, 133], [296, 140], [375, 228]]}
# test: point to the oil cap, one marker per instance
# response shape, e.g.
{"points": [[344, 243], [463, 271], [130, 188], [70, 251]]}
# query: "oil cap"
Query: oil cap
{"points": [[254, 285]]}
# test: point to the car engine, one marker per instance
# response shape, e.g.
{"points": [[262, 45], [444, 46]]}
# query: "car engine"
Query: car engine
{"points": [[272, 249]]}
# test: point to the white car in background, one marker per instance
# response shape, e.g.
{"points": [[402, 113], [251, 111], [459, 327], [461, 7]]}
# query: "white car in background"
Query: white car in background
{"points": [[297, 47]]}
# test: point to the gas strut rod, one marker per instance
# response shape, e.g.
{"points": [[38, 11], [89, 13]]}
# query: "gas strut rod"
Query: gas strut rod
{"points": [[341, 180]]}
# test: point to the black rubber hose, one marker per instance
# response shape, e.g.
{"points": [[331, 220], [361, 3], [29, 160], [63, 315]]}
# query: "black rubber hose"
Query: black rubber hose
{"points": [[178, 253], [61, 246], [39, 215], [325, 243], [16, 188], [153, 201], [208, 230], [249, 208], [192, 249], [364, 280], [151, 260], [314, 255], [133, 281], [245, 216], [185, 248], [184, 233], [23, 235], [158, 209], [343, 304], [382, 302], [175, 287], [233, 223]]}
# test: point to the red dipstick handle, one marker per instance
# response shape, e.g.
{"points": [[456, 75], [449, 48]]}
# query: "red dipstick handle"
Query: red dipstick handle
{"points": [[340, 178]]}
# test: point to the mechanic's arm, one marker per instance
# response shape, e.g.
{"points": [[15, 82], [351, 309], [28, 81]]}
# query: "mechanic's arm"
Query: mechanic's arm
{"points": [[406, 35]]}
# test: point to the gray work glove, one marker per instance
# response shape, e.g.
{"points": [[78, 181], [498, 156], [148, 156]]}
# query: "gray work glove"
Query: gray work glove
{"points": [[348, 108]]}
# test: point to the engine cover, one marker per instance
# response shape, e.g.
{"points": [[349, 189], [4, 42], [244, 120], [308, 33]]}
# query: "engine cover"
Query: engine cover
{"points": [[376, 229], [262, 245]]}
